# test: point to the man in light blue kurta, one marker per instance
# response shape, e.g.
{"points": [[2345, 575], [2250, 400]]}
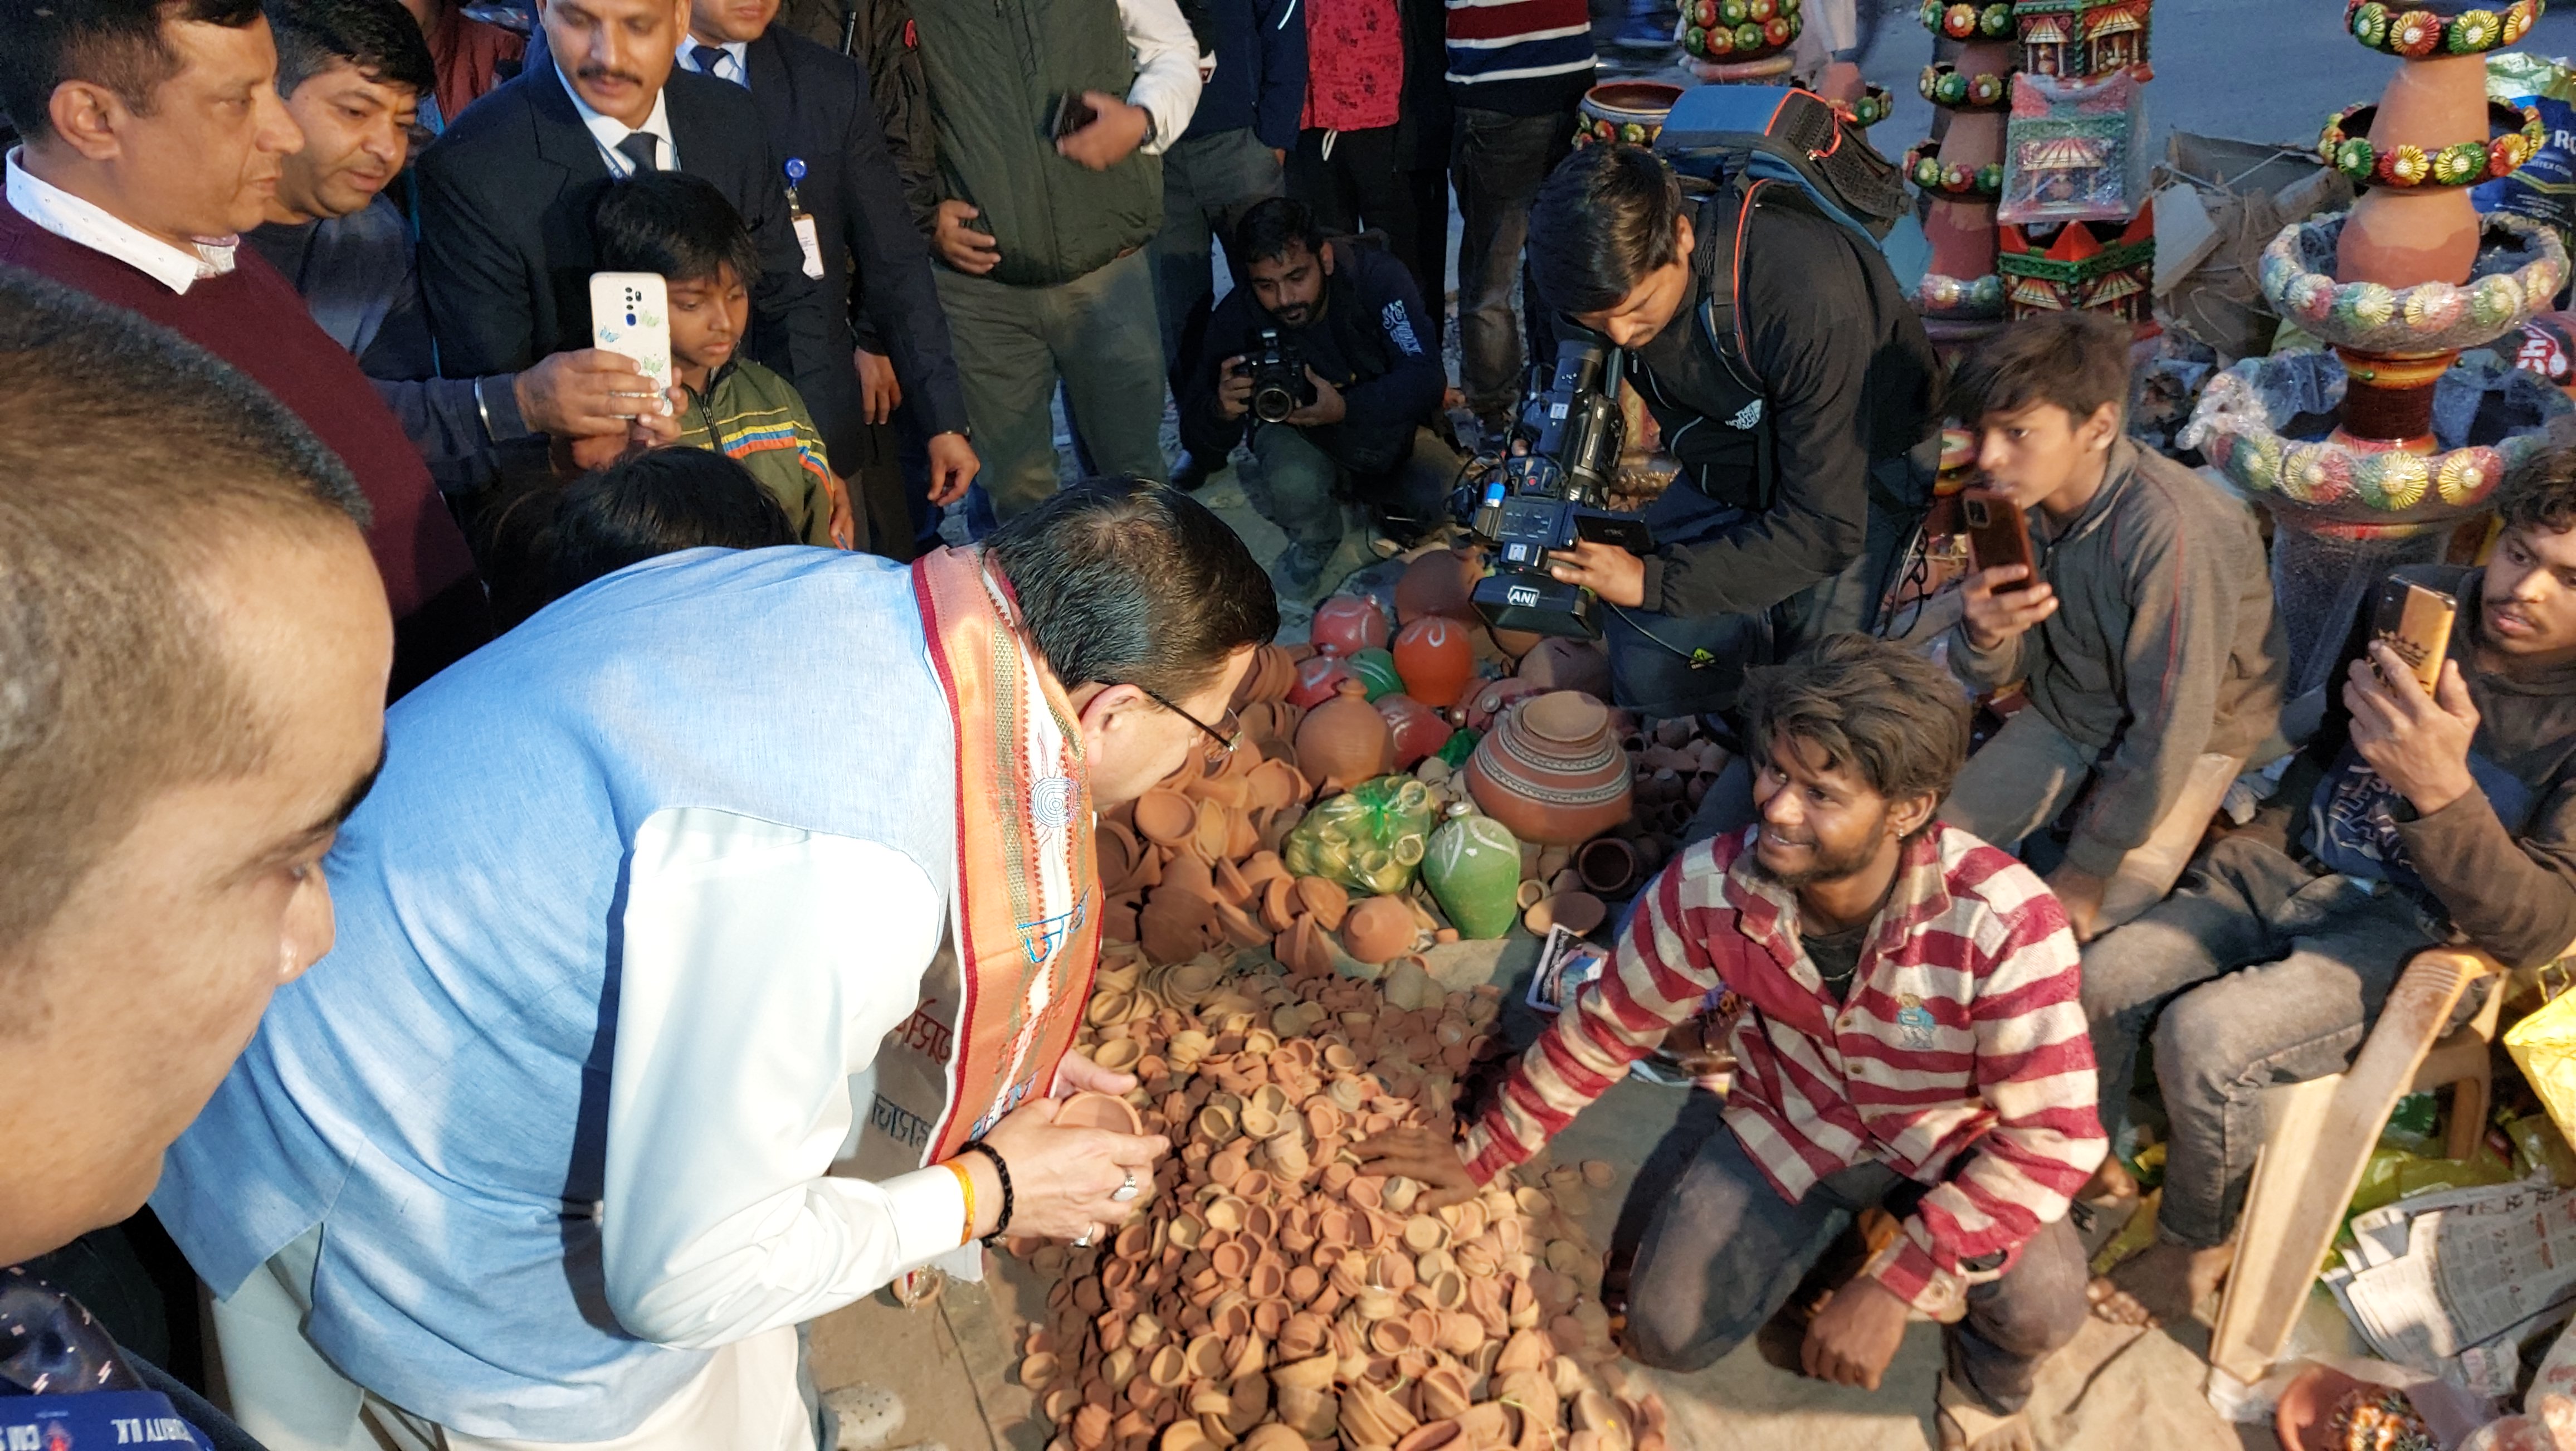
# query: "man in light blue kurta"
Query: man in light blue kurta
{"points": [[545, 1136]]}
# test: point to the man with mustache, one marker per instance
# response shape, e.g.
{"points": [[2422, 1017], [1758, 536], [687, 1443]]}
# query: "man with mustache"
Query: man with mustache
{"points": [[2430, 816], [506, 196], [154, 137], [1900, 998], [355, 74]]}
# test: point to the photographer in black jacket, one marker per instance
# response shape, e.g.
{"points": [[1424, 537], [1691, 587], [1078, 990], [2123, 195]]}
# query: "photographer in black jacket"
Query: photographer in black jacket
{"points": [[1797, 491], [1350, 321]]}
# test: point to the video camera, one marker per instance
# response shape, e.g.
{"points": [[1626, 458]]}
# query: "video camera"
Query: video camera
{"points": [[1552, 494], [1279, 385]]}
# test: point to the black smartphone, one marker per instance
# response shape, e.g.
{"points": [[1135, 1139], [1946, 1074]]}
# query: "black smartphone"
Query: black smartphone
{"points": [[1071, 115], [1997, 536]]}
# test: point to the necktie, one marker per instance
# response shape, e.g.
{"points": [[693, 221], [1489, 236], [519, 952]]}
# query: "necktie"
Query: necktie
{"points": [[708, 58], [644, 149], [49, 1345]]}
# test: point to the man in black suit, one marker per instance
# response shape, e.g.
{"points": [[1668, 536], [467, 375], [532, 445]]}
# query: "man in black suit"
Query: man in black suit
{"points": [[820, 119], [506, 196]]}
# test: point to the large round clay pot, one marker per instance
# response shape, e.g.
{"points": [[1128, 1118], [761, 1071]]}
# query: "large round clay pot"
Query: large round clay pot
{"points": [[1439, 583], [1348, 624], [1436, 659], [1473, 867], [1551, 770], [1562, 664], [1345, 741], [1418, 730]]}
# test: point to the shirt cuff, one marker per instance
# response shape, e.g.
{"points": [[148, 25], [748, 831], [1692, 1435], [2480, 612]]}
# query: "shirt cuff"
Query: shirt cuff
{"points": [[929, 1213], [1904, 1270], [1653, 585], [499, 397]]}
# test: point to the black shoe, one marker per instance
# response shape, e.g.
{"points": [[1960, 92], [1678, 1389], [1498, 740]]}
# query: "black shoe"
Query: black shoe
{"points": [[1299, 568], [1193, 472]]}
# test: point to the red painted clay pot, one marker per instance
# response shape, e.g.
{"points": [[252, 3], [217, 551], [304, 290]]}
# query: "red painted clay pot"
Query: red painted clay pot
{"points": [[1417, 729], [1436, 659], [1439, 583], [1348, 624], [1317, 676]]}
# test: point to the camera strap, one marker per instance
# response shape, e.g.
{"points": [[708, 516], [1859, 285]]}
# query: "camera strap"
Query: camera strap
{"points": [[1719, 260]]}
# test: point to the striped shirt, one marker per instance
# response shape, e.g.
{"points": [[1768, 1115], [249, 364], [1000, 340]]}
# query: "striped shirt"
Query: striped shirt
{"points": [[1525, 57], [1962, 1030], [757, 418]]}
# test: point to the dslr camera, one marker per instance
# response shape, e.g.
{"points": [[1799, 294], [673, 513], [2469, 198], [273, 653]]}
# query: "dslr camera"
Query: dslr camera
{"points": [[1549, 491], [1279, 385]]}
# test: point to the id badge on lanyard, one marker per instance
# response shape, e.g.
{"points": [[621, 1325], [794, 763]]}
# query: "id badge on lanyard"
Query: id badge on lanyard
{"points": [[809, 238], [95, 1421]]}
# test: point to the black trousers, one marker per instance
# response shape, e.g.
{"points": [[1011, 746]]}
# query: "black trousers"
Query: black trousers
{"points": [[1358, 186]]}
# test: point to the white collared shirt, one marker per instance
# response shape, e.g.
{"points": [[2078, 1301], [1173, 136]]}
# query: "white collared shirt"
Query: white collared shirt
{"points": [[94, 227], [607, 131], [734, 66]]}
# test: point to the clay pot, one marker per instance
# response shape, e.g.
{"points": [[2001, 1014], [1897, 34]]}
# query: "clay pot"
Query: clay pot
{"points": [[1166, 818], [1375, 668], [1488, 701], [1515, 643], [1327, 899], [1377, 929], [1347, 624], [1415, 727], [1550, 770], [2401, 236], [1608, 865], [1576, 912], [1345, 741], [1442, 582], [1099, 1111], [1562, 664], [1436, 659], [1472, 866], [1316, 679]]}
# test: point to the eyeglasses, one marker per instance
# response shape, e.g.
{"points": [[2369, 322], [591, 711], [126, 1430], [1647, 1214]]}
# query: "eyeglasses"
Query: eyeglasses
{"points": [[1221, 743]]}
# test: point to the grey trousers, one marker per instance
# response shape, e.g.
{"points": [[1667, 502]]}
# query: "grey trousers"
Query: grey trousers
{"points": [[1209, 182], [1724, 1252], [2265, 972], [1299, 488], [2018, 781], [1097, 334], [1497, 162]]}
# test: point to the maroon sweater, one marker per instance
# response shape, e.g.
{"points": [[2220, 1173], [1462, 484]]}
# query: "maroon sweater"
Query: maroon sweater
{"points": [[252, 319]]}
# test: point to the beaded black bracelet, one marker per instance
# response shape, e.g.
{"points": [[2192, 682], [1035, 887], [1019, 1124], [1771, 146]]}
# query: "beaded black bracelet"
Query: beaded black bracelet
{"points": [[1001, 1171]]}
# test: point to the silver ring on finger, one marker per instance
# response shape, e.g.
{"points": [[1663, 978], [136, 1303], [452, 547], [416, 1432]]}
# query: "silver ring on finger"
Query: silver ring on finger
{"points": [[1125, 1193]]}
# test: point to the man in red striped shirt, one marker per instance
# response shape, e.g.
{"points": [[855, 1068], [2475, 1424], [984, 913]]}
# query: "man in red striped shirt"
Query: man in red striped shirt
{"points": [[1902, 1003]]}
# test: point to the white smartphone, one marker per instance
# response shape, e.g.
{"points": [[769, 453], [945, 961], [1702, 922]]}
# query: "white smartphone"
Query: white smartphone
{"points": [[630, 315]]}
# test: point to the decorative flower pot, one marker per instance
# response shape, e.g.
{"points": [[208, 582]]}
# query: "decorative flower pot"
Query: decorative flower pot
{"points": [[1622, 111]]}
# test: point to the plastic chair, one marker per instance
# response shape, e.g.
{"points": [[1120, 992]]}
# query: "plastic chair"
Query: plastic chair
{"points": [[2320, 1137]]}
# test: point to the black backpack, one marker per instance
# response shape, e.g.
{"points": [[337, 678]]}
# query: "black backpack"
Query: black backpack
{"points": [[1766, 146]]}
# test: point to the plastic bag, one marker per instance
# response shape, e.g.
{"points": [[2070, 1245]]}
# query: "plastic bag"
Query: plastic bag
{"points": [[2543, 1046], [2544, 188], [1370, 838], [2539, 1148]]}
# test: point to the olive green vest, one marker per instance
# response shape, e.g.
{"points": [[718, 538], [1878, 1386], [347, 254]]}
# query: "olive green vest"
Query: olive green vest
{"points": [[997, 71]]}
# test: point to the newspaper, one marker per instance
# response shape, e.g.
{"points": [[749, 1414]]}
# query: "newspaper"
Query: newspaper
{"points": [[2453, 1283]]}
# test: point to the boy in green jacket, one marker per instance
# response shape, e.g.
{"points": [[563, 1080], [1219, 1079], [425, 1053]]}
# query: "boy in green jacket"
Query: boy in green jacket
{"points": [[681, 227]]}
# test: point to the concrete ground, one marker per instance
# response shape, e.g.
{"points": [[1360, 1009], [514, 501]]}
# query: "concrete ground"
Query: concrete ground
{"points": [[2112, 1389]]}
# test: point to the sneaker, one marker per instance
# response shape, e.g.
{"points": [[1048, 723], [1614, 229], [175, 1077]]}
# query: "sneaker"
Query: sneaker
{"points": [[1192, 472], [1300, 568]]}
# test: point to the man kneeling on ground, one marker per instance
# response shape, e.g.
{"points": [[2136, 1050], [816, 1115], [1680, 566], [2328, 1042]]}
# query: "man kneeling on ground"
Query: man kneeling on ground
{"points": [[1350, 319], [2448, 815], [1901, 1000]]}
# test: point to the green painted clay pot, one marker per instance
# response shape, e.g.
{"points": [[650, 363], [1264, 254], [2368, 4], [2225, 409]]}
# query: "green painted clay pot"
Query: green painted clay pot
{"points": [[1473, 866]]}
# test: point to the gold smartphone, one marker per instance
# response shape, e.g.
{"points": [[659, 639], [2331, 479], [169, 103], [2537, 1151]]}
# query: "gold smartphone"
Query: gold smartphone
{"points": [[2416, 623]]}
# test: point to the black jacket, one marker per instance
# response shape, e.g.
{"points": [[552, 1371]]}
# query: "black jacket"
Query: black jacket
{"points": [[1847, 380], [815, 105], [880, 35], [1371, 341], [506, 252]]}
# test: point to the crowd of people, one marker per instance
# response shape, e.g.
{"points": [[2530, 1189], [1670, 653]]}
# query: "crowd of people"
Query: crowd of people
{"points": [[695, 945]]}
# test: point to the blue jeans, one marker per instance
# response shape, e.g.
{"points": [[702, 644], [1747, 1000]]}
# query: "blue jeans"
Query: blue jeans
{"points": [[1724, 1252], [2264, 972]]}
